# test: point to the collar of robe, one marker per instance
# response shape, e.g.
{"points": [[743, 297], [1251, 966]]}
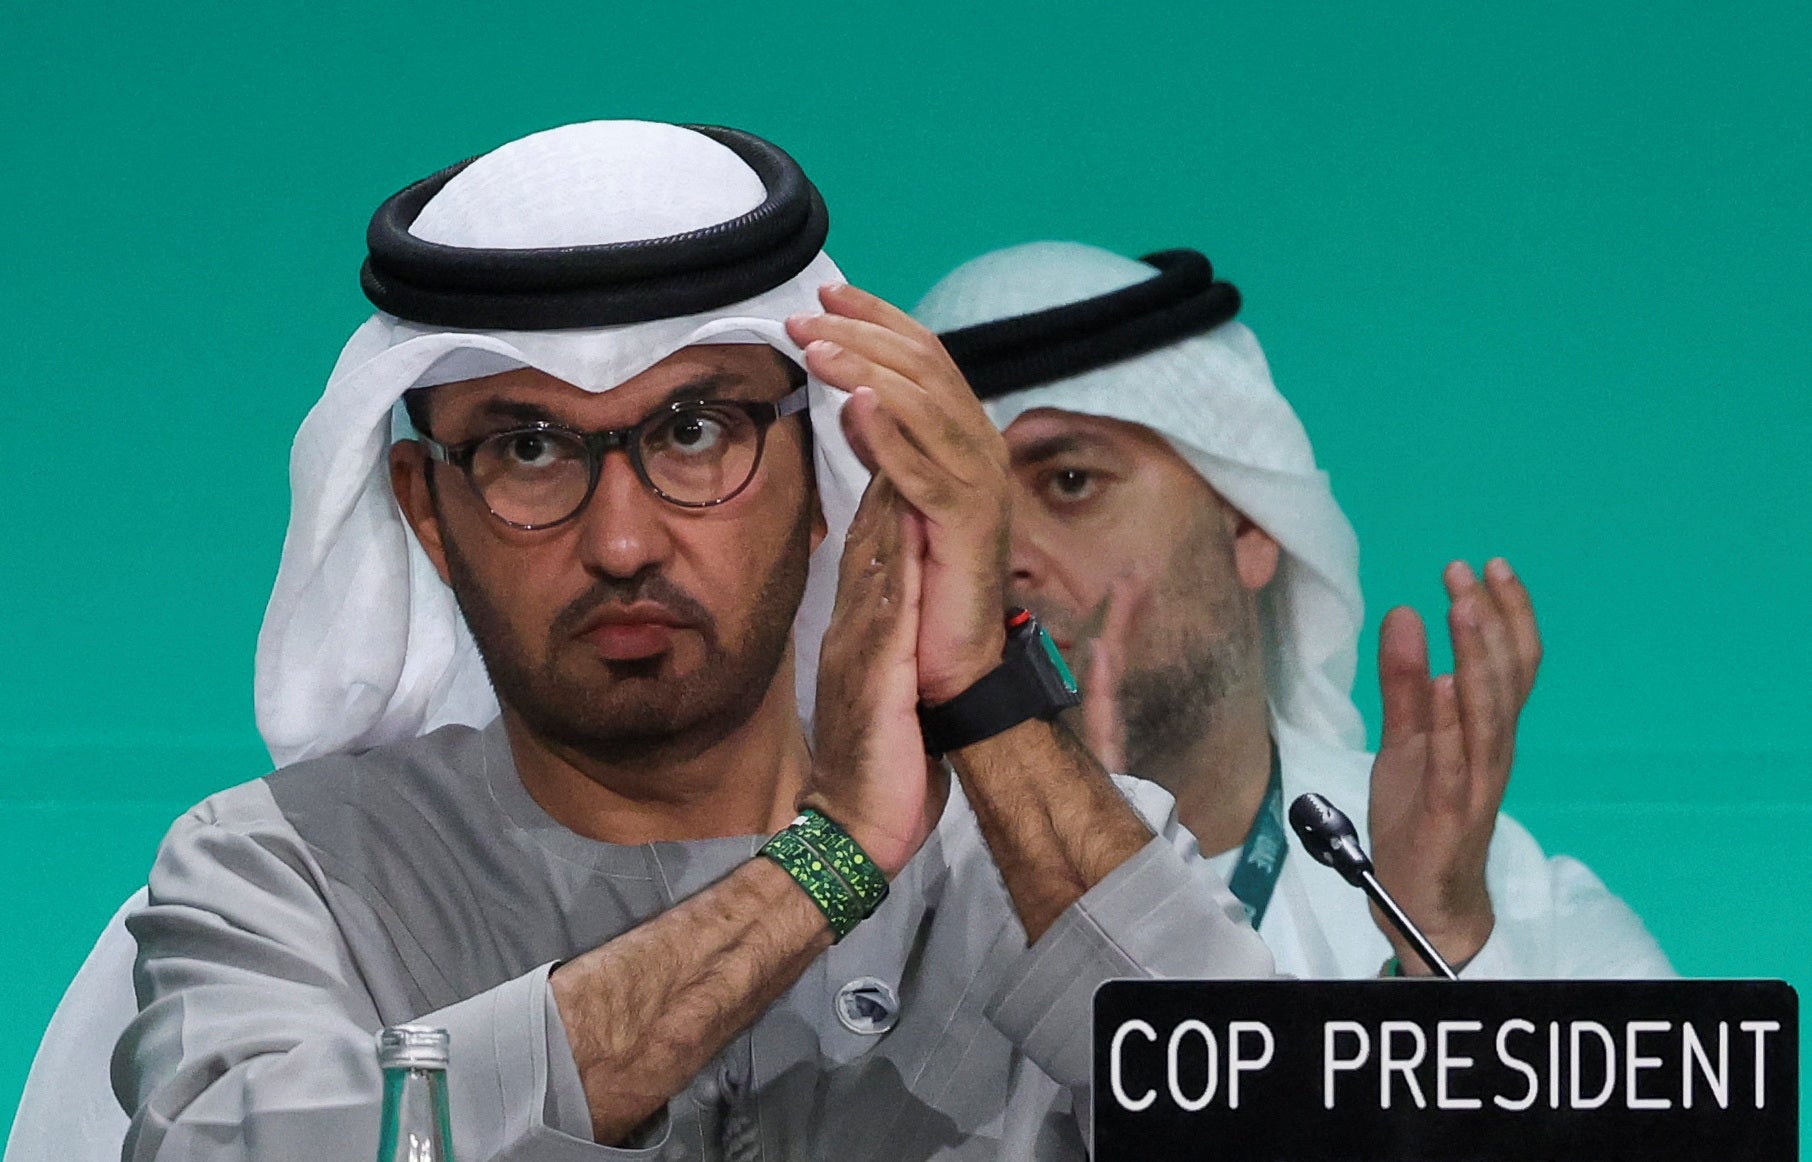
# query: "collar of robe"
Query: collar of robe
{"points": [[1022, 351], [550, 288]]}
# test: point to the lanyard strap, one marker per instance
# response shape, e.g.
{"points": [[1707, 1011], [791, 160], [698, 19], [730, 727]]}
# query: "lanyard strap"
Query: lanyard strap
{"points": [[1261, 860]]}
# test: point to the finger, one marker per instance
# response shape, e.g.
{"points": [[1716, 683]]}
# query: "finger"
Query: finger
{"points": [[962, 443], [1519, 614], [908, 355], [857, 417], [910, 586], [855, 303], [1101, 707], [1477, 686], [1104, 728], [872, 540], [1403, 677], [851, 370], [922, 482], [1498, 657], [1448, 782], [879, 581], [1126, 597]]}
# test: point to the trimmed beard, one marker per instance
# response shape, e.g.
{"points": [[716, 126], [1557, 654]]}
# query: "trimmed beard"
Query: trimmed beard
{"points": [[637, 715], [1167, 710]]}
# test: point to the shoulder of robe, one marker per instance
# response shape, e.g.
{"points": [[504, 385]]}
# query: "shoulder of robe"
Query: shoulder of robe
{"points": [[428, 775]]}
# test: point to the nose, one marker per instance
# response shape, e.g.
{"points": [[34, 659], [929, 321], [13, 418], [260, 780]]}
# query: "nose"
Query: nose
{"points": [[1029, 556], [624, 527]]}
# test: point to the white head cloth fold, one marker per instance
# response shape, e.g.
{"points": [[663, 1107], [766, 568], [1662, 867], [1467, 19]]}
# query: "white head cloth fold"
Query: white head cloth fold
{"points": [[1212, 398], [362, 644]]}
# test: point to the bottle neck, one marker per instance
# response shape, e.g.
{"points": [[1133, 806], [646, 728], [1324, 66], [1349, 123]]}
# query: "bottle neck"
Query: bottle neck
{"points": [[416, 1126]]}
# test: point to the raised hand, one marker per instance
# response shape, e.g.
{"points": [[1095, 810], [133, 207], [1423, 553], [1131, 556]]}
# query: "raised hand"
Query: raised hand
{"points": [[914, 418], [1445, 754], [1103, 724], [870, 770]]}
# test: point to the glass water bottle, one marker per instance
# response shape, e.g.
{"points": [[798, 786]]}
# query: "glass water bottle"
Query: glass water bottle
{"points": [[415, 1126]]}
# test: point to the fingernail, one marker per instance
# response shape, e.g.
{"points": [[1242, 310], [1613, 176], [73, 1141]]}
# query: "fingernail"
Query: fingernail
{"points": [[1498, 569], [834, 287], [825, 348], [800, 318], [1466, 614]]}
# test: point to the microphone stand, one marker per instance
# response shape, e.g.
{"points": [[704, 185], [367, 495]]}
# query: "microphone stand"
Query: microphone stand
{"points": [[1329, 836], [1403, 924]]}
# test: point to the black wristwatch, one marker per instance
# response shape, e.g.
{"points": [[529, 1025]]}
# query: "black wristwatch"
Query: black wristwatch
{"points": [[1031, 681]]}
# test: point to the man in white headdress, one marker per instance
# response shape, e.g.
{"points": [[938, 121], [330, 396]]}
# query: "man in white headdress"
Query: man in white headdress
{"points": [[1172, 529], [602, 525]]}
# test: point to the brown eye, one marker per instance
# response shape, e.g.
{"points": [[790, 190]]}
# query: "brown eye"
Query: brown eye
{"points": [[1070, 485], [697, 432], [529, 450]]}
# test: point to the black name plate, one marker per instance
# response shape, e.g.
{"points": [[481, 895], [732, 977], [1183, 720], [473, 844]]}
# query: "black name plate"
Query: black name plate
{"points": [[1389, 1070]]}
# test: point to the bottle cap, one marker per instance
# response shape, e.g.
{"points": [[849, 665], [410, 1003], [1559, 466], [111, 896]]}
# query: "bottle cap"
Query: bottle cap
{"points": [[412, 1047]]}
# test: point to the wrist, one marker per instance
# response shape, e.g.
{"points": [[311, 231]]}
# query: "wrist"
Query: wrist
{"points": [[889, 850], [977, 662], [1029, 680], [1457, 941], [830, 867]]}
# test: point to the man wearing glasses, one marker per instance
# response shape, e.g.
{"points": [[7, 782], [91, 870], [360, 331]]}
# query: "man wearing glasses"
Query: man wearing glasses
{"points": [[534, 675]]}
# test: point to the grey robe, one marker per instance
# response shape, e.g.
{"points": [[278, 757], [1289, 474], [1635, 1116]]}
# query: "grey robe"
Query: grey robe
{"points": [[291, 917]]}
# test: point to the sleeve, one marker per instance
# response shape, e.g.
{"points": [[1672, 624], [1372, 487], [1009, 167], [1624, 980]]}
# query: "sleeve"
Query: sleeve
{"points": [[254, 1038], [1557, 921], [1162, 913]]}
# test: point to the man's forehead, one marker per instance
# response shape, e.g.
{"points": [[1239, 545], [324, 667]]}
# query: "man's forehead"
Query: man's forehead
{"points": [[1043, 432], [703, 371]]}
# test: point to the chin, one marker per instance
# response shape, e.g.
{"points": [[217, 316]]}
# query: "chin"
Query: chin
{"points": [[638, 710]]}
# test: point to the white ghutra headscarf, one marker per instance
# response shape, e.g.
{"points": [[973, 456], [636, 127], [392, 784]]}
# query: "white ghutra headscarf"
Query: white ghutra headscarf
{"points": [[362, 643]]}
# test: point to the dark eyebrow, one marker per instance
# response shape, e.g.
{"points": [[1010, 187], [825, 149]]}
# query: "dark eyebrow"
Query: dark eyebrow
{"points": [[708, 386], [511, 409], [704, 387], [1051, 447]]}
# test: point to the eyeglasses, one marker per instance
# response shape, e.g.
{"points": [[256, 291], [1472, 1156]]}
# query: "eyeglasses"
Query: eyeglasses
{"points": [[693, 454]]}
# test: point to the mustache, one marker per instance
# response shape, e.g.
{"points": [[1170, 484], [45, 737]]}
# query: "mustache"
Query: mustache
{"points": [[648, 585]]}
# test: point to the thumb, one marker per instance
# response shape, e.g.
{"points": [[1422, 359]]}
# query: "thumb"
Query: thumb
{"points": [[1102, 731], [1403, 678], [1104, 727]]}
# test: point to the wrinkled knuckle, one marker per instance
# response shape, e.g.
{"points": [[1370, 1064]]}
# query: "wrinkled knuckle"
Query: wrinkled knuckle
{"points": [[923, 346]]}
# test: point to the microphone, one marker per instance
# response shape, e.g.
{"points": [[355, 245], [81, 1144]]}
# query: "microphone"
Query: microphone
{"points": [[1328, 835]]}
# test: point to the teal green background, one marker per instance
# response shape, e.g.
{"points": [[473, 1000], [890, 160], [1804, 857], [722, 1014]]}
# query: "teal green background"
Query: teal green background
{"points": [[1536, 279]]}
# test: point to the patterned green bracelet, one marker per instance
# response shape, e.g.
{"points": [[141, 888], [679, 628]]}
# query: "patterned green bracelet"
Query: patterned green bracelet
{"points": [[846, 857], [824, 886]]}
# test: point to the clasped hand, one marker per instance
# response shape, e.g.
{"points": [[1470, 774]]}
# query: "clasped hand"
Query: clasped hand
{"points": [[919, 590]]}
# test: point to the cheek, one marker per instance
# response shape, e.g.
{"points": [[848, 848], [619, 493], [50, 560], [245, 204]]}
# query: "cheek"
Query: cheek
{"points": [[1129, 541], [526, 579], [727, 556]]}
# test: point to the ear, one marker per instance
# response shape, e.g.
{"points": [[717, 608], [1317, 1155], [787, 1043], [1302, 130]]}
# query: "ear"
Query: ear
{"points": [[1255, 554], [409, 482]]}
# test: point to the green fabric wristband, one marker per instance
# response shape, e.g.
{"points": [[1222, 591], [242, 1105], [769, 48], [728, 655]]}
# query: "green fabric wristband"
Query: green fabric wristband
{"points": [[845, 856], [824, 886]]}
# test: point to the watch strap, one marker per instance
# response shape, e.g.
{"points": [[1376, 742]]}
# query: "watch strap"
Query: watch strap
{"points": [[1001, 699]]}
